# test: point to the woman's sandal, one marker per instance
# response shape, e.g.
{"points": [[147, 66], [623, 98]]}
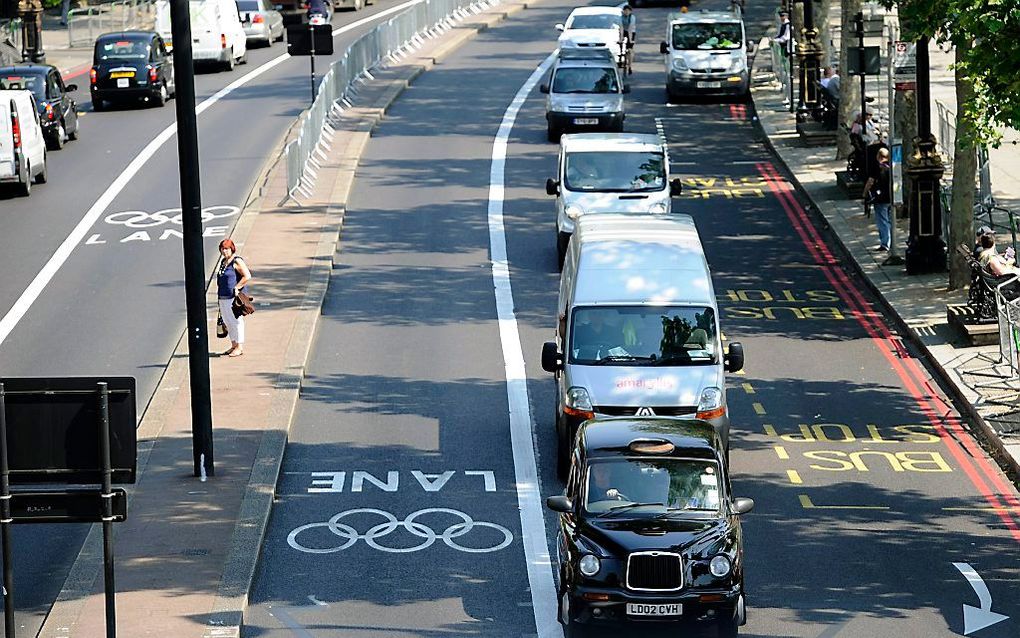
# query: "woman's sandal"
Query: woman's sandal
{"points": [[235, 353]]}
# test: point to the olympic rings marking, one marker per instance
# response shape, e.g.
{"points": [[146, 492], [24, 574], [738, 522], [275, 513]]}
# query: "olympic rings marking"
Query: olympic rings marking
{"points": [[351, 536], [142, 219]]}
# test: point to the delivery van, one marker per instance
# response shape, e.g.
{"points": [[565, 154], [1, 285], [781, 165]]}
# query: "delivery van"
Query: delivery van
{"points": [[638, 327], [217, 34], [705, 54], [22, 145]]}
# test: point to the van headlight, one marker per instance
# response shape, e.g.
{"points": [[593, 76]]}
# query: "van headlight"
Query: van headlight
{"points": [[680, 64], [590, 564], [711, 404], [719, 566], [737, 64], [659, 208], [578, 399], [573, 211]]}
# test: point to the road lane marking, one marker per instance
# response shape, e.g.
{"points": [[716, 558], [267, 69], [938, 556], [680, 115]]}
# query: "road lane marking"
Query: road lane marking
{"points": [[977, 618], [782, 453], [63, 252], [806, 503], [794, 477], [747, 388], [529, 498], [759, 409]]}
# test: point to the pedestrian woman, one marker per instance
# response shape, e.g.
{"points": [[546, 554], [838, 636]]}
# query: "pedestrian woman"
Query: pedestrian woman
{"points": [[878, 191], [231, 277]]}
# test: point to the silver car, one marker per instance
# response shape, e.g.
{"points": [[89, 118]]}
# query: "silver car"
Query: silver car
{"points": [[262, 22], [585, 93]]}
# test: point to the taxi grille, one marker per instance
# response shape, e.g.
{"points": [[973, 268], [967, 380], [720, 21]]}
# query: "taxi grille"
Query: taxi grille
{"points": [[655, 571], [662, 410]]}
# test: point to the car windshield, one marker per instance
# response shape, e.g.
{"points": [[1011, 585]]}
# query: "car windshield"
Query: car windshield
{"points": [[594, 21], [643, 335], [585, 80], [651, 485], [719, 35], [33, 83], [615, 171], [247, 5], [122, 50]]}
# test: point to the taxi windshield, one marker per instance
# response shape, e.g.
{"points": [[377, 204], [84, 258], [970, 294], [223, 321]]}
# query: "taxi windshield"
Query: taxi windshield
{"points": [[652, 485], [585, 80], [615, 171], [33, 83], [594, 21], [122, 50], [719, 35], [643, 335]]}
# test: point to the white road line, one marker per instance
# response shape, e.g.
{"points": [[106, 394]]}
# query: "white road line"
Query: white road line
{"points": [[63, 252], [529, 498]]}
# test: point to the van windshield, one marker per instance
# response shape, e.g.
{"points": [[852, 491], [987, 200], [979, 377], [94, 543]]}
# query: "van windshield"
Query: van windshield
{"points": [[122, 50], [719, 35], [585, 80], [594, 21], [615, 171], [643, 335]]}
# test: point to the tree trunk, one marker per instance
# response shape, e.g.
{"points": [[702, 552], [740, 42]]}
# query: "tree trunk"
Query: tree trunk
{"points": [[849, 87], [824, 32], [961, 216]]}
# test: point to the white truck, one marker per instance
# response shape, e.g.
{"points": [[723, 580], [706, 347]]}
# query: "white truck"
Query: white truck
{"points": [[217, 34], [22, 145]]}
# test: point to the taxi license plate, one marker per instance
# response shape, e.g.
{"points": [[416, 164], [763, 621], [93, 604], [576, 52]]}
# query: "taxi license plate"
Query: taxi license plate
{"points": [[122, 74], [123, 83], [709, 85], [586, 121], [643, 609]]}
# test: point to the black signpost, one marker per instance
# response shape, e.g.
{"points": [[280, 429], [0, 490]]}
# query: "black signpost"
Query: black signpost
{"points": [[76, 431], [311, 40]]}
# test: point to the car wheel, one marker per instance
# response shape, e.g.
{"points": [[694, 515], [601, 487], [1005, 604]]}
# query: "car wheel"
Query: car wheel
{"points": [[244, 58], [279, 38], [73, 135], [671, 96], [569, 626], [562, 449], [42, 176], [728, 626], [25, 185], [55, 142], [562, 240], [161, 96], [553, 134], [229, 64], [98, 105]]}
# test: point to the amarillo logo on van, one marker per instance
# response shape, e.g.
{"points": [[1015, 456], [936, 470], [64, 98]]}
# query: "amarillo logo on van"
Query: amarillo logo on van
{"points": [[658, 383]]}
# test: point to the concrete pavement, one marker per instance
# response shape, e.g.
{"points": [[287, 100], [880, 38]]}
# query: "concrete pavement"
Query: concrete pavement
{"points": [[186, 555], [979, 386]]}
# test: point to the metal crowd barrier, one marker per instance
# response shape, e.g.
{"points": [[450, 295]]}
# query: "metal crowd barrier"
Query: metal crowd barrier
{"points": [[86, 23], [1009, 327], [387, 42]]}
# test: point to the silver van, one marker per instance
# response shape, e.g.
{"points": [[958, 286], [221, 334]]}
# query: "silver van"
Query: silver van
{"points": [[585, 92], [609, 173], [705, 54], [638, 327]]}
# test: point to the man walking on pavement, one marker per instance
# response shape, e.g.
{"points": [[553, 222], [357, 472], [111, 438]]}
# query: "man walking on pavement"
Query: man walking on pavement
{"points": [[877, 190]]}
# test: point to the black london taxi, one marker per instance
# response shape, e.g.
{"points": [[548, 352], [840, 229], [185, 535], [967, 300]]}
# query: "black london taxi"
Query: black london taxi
{"points": [[131, 65], [58, 112], [648, 529]]}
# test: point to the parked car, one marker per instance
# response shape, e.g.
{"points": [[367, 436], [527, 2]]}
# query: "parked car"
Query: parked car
{"points": [[216, 31], [262, 22], [131, 65], [22, 144], [58, 112], [648, 528]]}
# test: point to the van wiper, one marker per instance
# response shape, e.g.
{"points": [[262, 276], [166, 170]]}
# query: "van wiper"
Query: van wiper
{"points": [[628, 506]]}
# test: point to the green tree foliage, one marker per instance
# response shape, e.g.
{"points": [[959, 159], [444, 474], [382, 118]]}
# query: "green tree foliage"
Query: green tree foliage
{"points": [[993, 26]]}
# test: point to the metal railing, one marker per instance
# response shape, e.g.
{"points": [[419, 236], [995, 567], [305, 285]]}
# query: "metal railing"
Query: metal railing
{"points": [[1009, 325], [86, 23], [11, 33], [388, 42]]}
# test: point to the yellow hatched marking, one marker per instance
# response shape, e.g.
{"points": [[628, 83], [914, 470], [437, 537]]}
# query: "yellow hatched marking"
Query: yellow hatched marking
{"points": [[759, 409], [794, 477], [806, 503], [747, 388], [782, 453]]}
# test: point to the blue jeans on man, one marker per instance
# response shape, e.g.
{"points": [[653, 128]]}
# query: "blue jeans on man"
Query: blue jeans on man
{"points": [[884, 222]]}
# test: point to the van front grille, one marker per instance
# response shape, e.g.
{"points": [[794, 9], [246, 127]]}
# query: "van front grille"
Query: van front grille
{"points": [[632, 410]]}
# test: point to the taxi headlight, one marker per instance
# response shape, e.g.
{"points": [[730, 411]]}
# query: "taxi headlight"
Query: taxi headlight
{"points": [[590, 565], [658, 208], [573, 212], [680, 64], [720, 566], [577, 398], [711, 399]]}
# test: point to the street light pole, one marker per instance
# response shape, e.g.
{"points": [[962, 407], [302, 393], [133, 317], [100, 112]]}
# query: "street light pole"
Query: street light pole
{"points": [[926, 251], [810, 53], [191, 222]]}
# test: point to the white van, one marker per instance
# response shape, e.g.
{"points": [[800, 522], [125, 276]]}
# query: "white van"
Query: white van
{"points": [[22, 145], [638, 327], [705, 54], [217, 34], [609, 173]]}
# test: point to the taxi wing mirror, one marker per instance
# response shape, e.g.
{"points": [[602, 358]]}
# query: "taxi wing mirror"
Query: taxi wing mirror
{"points": [[70, 88], [552, 360], [676, 187], [544, 88], [559, 27], [564, 505], [735, 357], [552, 187], [740, 505], [663, 48], [626, 88]]}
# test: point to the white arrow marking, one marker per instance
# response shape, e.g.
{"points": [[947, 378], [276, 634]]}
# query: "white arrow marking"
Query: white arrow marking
{"points": [[974, 618]]}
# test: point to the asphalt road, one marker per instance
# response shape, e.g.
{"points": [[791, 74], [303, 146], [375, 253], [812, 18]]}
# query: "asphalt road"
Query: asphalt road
{"points": [[867, 489], [116, 306]]}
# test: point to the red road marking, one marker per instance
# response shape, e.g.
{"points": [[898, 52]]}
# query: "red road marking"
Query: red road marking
{"points": [[74, 72], [907, 369], [738, 111]]}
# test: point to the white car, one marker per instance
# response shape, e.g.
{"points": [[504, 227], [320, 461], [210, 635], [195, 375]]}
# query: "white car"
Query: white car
{"points": [[22, 145], [593, 27]]}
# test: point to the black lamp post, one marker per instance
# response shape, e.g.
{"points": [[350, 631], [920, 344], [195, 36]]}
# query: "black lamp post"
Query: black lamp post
{"points": [[810, 53], [926, 250]]}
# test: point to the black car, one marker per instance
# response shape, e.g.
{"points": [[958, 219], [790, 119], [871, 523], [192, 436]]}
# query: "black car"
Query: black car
{"points": [[58, 112], [648, 529], [131, 65]]}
